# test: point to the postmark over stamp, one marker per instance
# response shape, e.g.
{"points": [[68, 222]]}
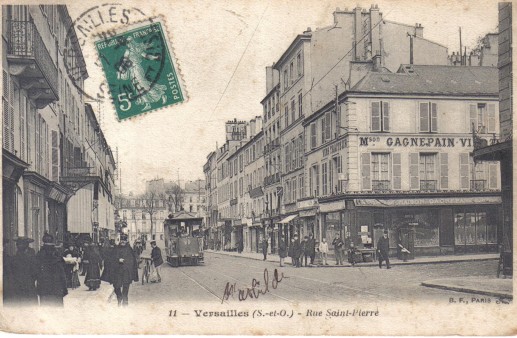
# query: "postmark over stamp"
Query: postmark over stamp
{"points": [[140, 69]]}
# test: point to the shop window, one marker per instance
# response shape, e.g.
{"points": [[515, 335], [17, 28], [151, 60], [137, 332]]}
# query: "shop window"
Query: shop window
{"points": [[428, 117], [380, 116], [428, 229], [474, 228]]}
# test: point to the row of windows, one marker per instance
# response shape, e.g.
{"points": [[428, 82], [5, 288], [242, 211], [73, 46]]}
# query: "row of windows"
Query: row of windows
{"points": [[331, 178], [271, 106], [481, 118], [290, 73], [427, 171], [296, 111], [294, 154], [294, 189]]}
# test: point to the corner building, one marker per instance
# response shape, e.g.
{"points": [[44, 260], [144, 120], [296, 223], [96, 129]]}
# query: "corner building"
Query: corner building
{"points": [[396, 154]]}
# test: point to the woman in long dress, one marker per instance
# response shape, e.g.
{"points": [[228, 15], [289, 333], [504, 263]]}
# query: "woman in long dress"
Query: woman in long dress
{"points": [[71, 257], [93, 273]]}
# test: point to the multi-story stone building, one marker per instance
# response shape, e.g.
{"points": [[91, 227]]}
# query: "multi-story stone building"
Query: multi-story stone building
{"points": [[396, 154], [47, 130], [502, 149]]}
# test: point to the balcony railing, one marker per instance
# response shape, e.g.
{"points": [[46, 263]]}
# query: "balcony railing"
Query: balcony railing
{"points": [[25, 47], [428, 185], [233, 201], [380, 185], [272, 179], [477, 185]]}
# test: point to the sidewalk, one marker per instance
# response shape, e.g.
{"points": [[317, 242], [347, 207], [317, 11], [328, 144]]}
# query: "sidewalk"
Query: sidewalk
{"points": [[80, 296], [394, 261], [488, 286]]}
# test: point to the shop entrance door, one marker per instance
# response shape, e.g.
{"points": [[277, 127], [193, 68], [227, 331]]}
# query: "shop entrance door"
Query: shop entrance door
{"points": [[406, 238]]}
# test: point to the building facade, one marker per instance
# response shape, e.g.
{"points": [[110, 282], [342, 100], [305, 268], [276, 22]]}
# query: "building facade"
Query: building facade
{"points": [[47, 131], [396, 155]]}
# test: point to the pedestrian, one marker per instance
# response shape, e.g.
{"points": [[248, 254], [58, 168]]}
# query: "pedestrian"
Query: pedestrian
{"points": [[304, 250], [93, 257], [338, 247], [84, 264], [324, 249], [383, 249], [311, 247], [264, 247], [50, 278], [109, 259], [156, 255], [125, 271], [297, 251], [352, 251], [23, 274], [282, 250], [71, 259]]}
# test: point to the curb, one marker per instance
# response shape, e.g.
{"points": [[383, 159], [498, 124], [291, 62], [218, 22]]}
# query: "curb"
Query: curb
{"points": [[369, 264], [467, 290]]}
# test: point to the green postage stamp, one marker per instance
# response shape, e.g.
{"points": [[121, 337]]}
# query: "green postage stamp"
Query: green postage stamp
{"points": [[140, 69]]}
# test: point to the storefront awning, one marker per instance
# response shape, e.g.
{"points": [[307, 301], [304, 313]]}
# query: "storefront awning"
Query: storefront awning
{"points": [[421, 202], [288, 219]]}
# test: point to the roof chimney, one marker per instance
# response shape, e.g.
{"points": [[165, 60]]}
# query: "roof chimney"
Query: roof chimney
{"points": [[419, 30]]}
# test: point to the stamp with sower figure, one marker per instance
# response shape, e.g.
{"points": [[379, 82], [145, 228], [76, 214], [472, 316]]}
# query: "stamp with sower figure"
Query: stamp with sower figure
{"points": [[140, 69]]}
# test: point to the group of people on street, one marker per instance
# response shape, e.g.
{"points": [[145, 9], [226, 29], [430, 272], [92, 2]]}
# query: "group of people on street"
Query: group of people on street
{"points": [[45, 277], [300, 251]]}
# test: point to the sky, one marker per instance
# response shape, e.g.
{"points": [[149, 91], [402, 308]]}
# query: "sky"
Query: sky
{"points": [[222, 49]]}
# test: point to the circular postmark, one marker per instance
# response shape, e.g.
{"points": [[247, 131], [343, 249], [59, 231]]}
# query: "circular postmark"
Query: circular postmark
{"points": [[96, 23]]}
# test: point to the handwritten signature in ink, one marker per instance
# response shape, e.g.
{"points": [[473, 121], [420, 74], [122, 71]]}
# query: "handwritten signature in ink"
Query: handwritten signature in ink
{"points": [[257, 288]]}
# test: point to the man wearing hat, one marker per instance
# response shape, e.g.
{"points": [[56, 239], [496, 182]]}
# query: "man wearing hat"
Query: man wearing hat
{"points": [[125, 271], [51, 279], [156, 255], [23, 273], [383, 249]]}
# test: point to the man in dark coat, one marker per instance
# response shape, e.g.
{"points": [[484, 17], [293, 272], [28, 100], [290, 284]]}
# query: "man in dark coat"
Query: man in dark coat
{"points": [[383, 249], [51, 280], [24, 270], [108, 255], [311, 248], [282, 250], [303, 250], [338, 248], [265, 245], [297, 251], [125, 271], [156, 255]]}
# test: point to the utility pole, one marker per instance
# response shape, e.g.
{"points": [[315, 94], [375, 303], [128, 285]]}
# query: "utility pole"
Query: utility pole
{"points": [[461, 50]]}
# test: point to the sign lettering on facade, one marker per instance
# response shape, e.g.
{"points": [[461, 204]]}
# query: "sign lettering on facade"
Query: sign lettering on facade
{"points": [[447, 142], [334, 148]]}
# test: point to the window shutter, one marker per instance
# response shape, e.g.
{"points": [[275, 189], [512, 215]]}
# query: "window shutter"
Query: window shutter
{"points": [[23, 114], [434, 117], [376, 116], [491, 118], [397, 172], [464, 170], [11, 114], [386, 116], [444, 171], [328, 126], [313, 135], [492, 178], [5, 110], [55, 156], [424, 116], [414, 181], [473, 118], [365, 171]]}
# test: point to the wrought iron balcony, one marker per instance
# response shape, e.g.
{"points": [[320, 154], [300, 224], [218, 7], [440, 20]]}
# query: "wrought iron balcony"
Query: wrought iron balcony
{"points": [[380, 185], [477, 185], [233, 201], [272, 179], [30, 60], [428, 185]]}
